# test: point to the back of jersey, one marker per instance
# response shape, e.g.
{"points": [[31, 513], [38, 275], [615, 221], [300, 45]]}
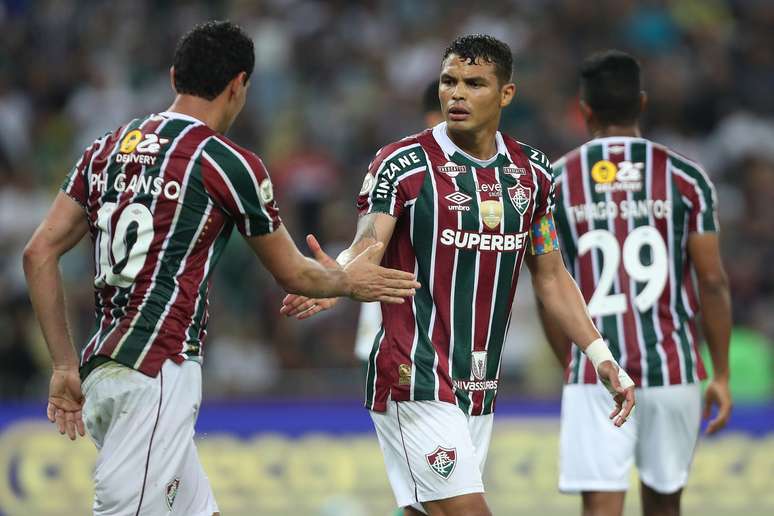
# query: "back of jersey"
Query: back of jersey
{"points": [[162, 195], [625, 209]]}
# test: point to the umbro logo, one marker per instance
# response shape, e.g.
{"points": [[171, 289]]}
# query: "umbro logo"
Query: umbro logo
{"points": [[458, 201]]}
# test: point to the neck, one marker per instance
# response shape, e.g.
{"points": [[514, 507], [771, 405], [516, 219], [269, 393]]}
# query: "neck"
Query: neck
{"points": [[616, 130], [199, 108], [480, 144]]}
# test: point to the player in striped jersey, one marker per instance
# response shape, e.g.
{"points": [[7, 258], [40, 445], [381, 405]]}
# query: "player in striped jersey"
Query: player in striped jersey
{"points": [[371, 313], [160, 197], [461, 205], [636, 220]]}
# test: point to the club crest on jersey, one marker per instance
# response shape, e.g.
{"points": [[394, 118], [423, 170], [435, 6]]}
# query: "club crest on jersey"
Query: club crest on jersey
{"points": [[442, 461], [519, 196], [170, 493], [491, 213], [452, 169], [478, 364], [515, 171]]}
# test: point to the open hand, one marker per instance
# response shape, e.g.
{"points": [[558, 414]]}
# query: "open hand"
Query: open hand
{"points": [[718, 394], [621, 387], [65, 402], [371, 282]]}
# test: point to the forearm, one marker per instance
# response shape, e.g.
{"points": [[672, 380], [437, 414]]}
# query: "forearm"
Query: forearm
{"points": [[716, 323], [557, 340], [566, 316], [314, 280], [46, 292]]}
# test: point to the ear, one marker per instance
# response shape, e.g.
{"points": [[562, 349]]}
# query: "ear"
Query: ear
{"points": [[172, 77], [507, 92], [585, 110], [237, 82], [643, 101]]}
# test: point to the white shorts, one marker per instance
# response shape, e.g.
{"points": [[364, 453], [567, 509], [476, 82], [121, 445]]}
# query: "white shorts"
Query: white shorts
{"points": [[432, 450], [660, 438], [143, 428]]}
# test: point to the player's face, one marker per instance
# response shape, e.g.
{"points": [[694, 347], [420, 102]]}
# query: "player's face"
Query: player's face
{"points": [[471, 96]]}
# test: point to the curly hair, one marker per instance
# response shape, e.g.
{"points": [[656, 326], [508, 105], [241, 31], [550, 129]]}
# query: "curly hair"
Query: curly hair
{"points": [[209, 56]]}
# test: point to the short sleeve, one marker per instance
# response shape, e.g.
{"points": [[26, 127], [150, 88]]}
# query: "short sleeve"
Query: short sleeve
{"points": [[699, 196], [76, 184], [385, 187], [240, 185]]}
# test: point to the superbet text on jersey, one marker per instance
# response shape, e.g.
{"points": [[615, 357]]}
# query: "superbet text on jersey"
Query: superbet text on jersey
{"points": [[463, 227], [162, 195], [625, 207]]}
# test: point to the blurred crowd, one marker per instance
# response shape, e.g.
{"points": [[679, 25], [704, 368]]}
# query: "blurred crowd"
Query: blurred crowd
{"points": [[333, 82]]}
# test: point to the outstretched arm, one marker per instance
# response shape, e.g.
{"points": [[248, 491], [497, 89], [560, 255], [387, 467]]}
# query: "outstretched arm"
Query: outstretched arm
{"points": [[360, 278], [372, 229], [566, 311], [63, 227], [715, 301]]}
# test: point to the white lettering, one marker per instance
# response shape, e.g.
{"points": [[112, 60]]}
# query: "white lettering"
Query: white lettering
{"points": [[508, 242]]}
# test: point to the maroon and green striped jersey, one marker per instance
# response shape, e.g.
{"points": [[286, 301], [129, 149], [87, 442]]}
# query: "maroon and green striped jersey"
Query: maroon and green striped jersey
{"points": [[463, 227], [162, 195], [625, 208]]}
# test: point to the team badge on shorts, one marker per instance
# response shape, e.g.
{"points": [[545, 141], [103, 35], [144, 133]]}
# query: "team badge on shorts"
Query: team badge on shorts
{"points": [[519, 196], [171, 492], [442, 461]]}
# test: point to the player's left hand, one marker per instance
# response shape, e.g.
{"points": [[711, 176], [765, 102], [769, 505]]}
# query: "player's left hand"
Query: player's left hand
{"points": [[65, 402], [302, 307], [718, 393], [621, 387]]}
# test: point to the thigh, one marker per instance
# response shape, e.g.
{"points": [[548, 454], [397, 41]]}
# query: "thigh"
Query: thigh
{"points": [[668, 419], [428, 451], [594, 454], [143, 428]]}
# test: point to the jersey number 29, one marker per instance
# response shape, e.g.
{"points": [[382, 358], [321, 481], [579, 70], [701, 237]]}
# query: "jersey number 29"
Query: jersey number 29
{"points": [[128, 243], [653, 274]]}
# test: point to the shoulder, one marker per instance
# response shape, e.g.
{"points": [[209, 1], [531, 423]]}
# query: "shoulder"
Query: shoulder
{"points": [[226, 153], [537, 158], [404, 154], [684, 166]]}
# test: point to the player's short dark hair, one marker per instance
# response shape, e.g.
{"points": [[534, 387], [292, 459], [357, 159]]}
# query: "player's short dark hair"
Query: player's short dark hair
{"points": [[430, 100], [610, 85], [209, 56], [486, 48]]}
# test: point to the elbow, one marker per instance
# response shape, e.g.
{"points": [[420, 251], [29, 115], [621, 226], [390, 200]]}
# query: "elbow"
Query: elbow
{"points": [[714, 283]]}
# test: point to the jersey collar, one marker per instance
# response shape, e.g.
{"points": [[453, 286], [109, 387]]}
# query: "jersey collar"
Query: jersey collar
{"points": [[461, 157], [181, 116]]}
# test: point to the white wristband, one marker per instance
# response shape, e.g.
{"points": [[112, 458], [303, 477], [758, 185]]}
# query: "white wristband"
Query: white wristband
{"points": [[598, 352]]}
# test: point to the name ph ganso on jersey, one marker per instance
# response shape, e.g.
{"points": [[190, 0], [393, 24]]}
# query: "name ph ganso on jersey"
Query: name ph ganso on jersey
{"points": [[154, 186], [625, 209], [503, 242]]}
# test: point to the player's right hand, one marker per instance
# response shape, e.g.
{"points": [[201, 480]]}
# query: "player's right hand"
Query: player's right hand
{"points": [[621, 387], [65, 402], [372, 282]]}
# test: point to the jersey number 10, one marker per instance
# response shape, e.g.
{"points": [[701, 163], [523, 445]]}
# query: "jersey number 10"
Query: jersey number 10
{"points": [[128, 243], [653, 274]]}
